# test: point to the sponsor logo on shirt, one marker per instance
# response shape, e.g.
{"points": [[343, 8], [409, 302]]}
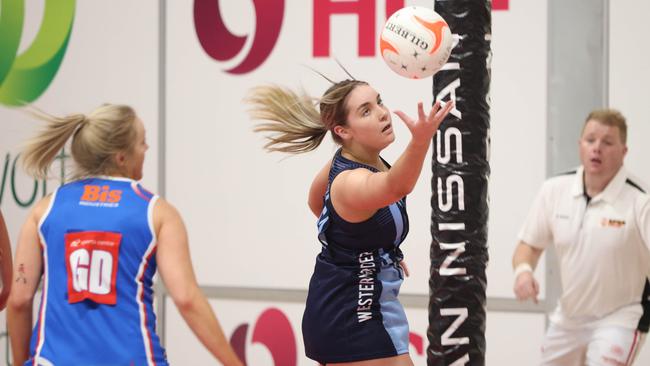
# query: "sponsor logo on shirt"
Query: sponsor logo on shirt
{"points": [[367, 275], [100, 196], [605, 222], [562, 216]]}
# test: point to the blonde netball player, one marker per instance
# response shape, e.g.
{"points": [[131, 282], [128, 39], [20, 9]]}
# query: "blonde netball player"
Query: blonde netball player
{"points": [[96, 243]]}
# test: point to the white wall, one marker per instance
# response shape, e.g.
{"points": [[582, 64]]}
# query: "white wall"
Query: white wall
{"points": [[518, 127], [629, 77]]}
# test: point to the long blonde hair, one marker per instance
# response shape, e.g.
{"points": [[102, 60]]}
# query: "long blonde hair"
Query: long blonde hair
{"points": [[292, 120], [96, 138]]}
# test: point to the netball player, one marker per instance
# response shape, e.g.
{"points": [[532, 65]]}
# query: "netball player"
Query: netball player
{"points": [[96, 243], [352, 314]]}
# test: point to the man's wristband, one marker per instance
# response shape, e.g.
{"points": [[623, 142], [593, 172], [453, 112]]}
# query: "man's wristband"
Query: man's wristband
{"points": [[523, 267]]}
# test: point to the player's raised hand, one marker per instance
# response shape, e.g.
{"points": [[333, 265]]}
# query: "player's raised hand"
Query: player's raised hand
{"points": [[423, 129]]}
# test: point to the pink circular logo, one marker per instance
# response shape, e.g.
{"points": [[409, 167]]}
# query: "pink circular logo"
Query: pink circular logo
{"points": [[273, 330]]}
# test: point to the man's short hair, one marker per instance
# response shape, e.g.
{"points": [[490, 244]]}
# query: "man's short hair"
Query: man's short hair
{"points": [[610, 117]]}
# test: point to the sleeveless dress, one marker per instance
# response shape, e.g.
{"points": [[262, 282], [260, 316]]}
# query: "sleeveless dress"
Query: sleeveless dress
{"points": [[352, 311], [98, 245]]}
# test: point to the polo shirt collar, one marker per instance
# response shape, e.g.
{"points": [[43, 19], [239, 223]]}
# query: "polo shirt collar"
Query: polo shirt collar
{"points": [[610, 192], [578, 185]]}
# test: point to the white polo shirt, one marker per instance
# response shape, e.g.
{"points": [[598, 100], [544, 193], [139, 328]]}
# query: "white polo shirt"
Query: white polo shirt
{"points": [[603, 247]]}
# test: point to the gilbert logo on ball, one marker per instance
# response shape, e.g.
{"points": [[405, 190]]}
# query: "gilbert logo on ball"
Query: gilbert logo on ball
{"points": [[415, 42]]}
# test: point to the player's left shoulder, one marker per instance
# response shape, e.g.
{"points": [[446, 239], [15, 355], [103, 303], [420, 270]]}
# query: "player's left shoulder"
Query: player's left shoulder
{"points": [[141, 191]]}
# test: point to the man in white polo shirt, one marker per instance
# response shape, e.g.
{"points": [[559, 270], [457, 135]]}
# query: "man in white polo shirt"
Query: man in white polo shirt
{"points": [[598, 220]]}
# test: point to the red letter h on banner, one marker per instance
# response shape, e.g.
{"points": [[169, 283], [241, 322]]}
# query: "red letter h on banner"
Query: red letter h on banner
{"points": [[365, 11]]}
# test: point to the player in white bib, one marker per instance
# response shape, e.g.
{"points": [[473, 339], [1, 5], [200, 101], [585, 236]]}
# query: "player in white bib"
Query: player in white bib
{"points": [[598, 220]]}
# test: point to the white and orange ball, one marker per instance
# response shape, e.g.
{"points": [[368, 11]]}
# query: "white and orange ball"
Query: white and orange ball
{"points": [[415, 42]]}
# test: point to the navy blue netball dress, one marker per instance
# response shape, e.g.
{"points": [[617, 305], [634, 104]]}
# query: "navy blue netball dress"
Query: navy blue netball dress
{"points": [[352, 312]]}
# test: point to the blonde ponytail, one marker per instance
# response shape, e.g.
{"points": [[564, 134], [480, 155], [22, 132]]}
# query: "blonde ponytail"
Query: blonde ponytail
{"points": [[292, 120], [296, 126], [42, 149], [96, 139]]}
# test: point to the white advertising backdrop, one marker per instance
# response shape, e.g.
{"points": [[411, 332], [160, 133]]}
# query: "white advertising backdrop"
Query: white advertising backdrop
{"points": [[112, 57], [503, 347]]}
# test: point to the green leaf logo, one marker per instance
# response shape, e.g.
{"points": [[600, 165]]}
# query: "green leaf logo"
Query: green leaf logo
{"points": [[24, 77]]}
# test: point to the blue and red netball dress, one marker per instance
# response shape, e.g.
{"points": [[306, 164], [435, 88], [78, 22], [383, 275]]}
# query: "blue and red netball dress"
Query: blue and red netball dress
{"points": [[98, 245], [352, 311]]}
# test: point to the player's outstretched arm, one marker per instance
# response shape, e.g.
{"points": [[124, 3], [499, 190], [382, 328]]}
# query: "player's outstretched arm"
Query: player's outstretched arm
{"points": [[360, 190], [175, 266], [26, 278]]}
